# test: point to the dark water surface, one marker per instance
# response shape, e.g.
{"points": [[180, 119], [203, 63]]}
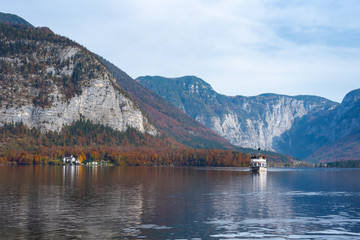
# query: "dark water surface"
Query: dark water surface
{"points": [[178, 203]]}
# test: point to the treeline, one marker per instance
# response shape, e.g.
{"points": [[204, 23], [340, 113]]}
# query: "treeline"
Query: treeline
{"points": [[20, 33], [345, 164], [95, 142]]}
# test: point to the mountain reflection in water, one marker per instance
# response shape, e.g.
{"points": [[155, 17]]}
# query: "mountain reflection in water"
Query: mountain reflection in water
{"points": [[178, 203]]}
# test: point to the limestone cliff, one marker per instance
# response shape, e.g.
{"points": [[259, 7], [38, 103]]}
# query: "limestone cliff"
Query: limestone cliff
{"points": [[48, 81], [245, 121], [327, 135]]}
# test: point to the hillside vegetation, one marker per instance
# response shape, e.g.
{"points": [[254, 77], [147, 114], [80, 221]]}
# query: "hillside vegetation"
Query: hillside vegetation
{"points": [[95, 142], [58, 99]]}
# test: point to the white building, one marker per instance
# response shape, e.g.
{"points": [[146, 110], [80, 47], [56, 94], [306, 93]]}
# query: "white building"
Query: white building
{"points": [[71, 160]]}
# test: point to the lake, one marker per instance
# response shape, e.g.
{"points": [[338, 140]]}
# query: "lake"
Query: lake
{"points": [[62, 202]]}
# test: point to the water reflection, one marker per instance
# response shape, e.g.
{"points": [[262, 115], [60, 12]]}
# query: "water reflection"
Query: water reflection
{"points": [[250, 209], [169, 203], [274, 210], [85, 202], [259, 180]]}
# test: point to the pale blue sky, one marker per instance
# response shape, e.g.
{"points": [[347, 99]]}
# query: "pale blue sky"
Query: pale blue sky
{"points": [[240, 47]]}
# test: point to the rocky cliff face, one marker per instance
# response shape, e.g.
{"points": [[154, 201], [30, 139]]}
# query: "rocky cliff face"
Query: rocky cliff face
{"points": [[168, 119], [253, 122], [327, 135], [346, 116], [48, 81]]}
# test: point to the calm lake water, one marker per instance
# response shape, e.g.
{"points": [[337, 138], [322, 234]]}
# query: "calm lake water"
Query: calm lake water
{"points": [[178, 203]]}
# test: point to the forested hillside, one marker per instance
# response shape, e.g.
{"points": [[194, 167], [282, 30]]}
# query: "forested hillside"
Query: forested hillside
{"points": [[58, 99], [95, 142]]}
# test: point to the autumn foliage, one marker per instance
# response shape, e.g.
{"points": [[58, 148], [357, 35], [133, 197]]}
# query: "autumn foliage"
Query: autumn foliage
{"points": [[95, 142]]}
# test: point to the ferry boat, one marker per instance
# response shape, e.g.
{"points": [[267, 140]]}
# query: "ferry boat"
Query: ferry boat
{"points": [[258, 163]]}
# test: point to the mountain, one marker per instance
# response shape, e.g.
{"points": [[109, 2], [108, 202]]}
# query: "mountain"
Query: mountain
{"points": [[58, 99], [306, 127], [245, 121], [175, 123], [49, 81], [52, 84], [13, 19], [166, 117], [328, 135]]}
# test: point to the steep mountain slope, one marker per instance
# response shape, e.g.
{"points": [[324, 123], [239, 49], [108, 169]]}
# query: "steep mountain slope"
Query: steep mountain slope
{"points": [[57, 99], [48, 81], [166, 117], [244, 121], [51, 87], [175, 123], [328, 135]]}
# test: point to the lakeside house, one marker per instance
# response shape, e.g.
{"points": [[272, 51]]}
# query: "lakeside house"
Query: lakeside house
{"points": [[71, 160], [101, 163], [74, 161]]}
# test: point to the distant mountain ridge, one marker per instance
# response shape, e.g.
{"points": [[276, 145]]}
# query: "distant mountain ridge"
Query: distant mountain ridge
{"points": [[166, 117], [270, 121], [175, 123], [328, 135], [244, 121]]}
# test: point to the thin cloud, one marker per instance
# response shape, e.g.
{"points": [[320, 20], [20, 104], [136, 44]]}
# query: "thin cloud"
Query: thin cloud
{"points": [[243, 47]]}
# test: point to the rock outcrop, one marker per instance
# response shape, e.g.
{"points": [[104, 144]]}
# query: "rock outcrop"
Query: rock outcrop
{"points": [[306, 127], [48, 81], [168, 119], [327, 135], [245, 121]]}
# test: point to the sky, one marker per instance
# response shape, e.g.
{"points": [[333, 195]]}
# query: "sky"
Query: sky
{"points": [[240, 47]]}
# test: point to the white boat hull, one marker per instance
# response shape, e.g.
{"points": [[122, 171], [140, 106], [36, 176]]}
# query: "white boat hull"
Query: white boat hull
{"points": [[258, 169]]}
